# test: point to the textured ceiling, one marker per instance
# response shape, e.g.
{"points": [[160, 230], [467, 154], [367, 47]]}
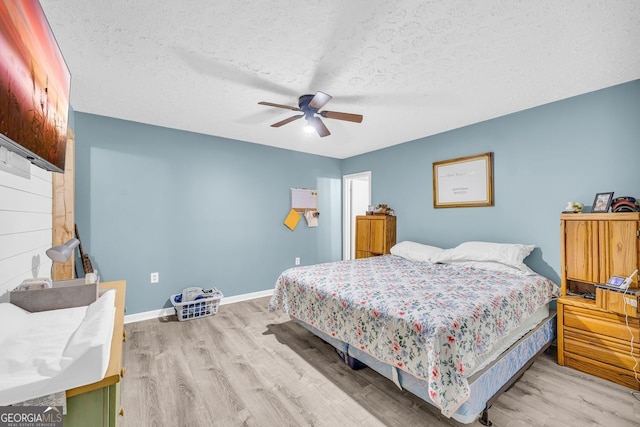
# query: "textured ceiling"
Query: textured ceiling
{"points": [[412, 68]]}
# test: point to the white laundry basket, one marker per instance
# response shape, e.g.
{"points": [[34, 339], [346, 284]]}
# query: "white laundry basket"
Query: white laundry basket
{"points": [[203, 303]]}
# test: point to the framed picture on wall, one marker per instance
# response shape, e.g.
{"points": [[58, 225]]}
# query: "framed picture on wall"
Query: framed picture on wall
{"points": [[463, 182], [602, 202]]}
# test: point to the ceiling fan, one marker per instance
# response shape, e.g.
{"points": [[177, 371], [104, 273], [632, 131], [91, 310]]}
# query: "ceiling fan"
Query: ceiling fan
{"points": [[309, 106]]}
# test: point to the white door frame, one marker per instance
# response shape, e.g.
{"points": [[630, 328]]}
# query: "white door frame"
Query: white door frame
{"points": [[348, 217]]}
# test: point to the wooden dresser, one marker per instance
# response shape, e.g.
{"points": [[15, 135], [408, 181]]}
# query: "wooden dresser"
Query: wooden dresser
{"points": [[594, 334], [375, 235], [98, 404]]}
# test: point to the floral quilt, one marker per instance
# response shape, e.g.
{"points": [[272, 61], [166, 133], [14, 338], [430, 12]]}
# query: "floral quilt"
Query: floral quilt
{"points": [[430, 320]]}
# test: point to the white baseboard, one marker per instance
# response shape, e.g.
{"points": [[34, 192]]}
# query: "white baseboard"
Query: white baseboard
{"points": [[154, 314]]}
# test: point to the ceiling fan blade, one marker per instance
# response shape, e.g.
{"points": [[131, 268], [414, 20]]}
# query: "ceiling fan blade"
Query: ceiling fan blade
{"points": [[342, 41], [285, 121], [319, 126], [319, 100], [357, 118], [271, 104], [208, 64]]}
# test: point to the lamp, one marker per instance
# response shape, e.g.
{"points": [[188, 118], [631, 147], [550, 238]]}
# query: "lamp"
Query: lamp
{"points": [[62, 253]]}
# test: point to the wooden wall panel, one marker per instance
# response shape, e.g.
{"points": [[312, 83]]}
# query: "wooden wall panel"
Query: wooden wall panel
{"points": [[63, 209], [25, 227]]}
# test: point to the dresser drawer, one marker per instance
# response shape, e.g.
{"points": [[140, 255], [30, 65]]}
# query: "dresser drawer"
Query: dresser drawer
{"points": [[601, 322], [598, 347], [602, 370]]}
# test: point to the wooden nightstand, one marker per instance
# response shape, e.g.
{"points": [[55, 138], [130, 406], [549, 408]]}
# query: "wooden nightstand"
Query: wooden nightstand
{"points": [[595, 335]]}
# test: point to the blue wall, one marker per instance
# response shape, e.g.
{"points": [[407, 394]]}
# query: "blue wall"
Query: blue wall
{"points": [[208, 211], [543, 158], [200, 210]]}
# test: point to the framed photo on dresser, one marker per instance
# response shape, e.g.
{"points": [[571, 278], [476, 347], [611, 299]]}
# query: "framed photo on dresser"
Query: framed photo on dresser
{"points": [[602, 202]]}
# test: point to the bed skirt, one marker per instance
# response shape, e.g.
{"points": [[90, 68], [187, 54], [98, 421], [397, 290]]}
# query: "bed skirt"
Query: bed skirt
{"points": [[483, 384]]}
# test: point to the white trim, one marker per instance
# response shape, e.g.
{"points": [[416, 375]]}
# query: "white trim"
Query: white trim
{"points": [[347, 215], [169, 311], [246, 297], [148, 315]]}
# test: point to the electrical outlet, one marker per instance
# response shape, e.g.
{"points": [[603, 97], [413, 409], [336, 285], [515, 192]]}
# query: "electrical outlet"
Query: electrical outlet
{"points": [[297, 260], [155, 277]]}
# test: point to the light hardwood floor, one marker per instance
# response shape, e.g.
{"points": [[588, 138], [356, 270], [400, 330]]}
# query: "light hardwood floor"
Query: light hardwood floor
{"points": [[248, 366]]}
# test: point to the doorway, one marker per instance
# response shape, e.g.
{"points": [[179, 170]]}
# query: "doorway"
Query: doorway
{"points": [[356, 190]]}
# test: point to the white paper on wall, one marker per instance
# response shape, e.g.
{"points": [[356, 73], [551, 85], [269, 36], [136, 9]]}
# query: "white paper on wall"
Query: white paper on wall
{"points": [[304, 198], [311, 217]]}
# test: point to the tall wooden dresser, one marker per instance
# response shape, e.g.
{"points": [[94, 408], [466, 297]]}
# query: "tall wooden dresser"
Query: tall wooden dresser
{"points": [[595, 325], [375, 235]]}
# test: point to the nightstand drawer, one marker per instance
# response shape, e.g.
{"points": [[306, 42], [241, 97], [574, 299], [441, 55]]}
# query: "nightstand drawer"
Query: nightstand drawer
{"points": [[597, 347], [600, 322]]}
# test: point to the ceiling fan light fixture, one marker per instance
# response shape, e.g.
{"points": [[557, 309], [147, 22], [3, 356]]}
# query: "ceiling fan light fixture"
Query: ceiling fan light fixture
{"points": [[308, 128]]}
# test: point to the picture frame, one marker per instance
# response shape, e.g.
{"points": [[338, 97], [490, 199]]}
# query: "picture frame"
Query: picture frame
{"points": [[602, 202], [463, 182]]}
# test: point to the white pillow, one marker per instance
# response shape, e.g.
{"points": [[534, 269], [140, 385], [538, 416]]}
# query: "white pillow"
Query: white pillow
{"points": [[505, 253], [415, 251], [495, 266]]}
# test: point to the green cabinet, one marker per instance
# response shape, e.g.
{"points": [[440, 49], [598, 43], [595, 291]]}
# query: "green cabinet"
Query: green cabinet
{"points": [[97, 408]]}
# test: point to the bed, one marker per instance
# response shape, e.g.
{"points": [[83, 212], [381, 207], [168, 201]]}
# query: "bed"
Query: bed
{"points": [[453, 326]]}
